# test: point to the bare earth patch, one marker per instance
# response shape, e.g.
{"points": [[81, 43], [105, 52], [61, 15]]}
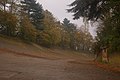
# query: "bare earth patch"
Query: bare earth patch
{"points": [[17, 67], [31, 62]]}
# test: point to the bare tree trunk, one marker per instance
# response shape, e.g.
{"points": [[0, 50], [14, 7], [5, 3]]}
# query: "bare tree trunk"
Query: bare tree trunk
{"points": [[4, 5], [11, 7]]}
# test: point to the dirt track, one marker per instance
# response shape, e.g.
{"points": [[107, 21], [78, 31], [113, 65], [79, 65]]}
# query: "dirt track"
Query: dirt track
{"points": [[23, 67]]}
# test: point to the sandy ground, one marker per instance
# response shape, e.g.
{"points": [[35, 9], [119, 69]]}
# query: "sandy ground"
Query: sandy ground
{"points": [[20, 67], [19, 61]]}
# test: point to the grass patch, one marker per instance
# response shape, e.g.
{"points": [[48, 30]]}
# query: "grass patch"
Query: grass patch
{"points": [[13, 40], [115, 60]]}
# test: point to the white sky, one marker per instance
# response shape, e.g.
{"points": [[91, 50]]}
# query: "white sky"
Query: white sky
{"points": [[58, 9]]}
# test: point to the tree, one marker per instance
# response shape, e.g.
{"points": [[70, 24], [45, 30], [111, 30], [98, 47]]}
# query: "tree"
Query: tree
{"points": [[27, 30], [83, 39], [34, 11], [106, 12], [8, 23], [3, 4], [65, 38], [91, 9], [66, 22], [51, 35], [13, 5], [108, 33], [70, 28]]}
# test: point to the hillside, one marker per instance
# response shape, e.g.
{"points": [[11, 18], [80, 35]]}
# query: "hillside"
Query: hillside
{"points": [[23, 61], [19, 47]]}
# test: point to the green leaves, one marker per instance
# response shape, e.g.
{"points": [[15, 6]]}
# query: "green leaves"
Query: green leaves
{"points": [[28, 21], [8, 22], [27, 30], [34, 12], [109, 31], [107, 11], [91, 9]]}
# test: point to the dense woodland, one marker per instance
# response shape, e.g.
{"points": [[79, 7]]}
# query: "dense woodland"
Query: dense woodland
{"points": [[28, 21], [107, 14]]}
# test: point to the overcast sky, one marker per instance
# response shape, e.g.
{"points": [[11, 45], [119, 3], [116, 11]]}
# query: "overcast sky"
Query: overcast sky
{"points": [[58, 9]]}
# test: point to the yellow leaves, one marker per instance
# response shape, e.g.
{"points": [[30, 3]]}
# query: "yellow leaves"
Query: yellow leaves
{"points": [[28, 30], [8, 18], [65, 37], [52, 28], [52, 35], [78, 36], [9, 21], [55, 35]]}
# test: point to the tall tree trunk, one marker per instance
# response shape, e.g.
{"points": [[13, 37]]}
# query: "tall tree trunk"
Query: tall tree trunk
{"points": [[4, 5], [11, 7]]}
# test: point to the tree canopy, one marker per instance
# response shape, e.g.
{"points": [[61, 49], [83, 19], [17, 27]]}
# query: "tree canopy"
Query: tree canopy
{"points": [[34, 11], [91, 9], [106, 12], [26, 20]]}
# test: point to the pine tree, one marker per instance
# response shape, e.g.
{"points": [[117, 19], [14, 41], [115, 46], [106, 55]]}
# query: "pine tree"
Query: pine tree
{"points": [[34, 11]]}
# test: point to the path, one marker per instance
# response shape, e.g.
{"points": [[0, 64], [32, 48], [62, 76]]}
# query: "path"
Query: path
{"points": [[18, 67]]}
